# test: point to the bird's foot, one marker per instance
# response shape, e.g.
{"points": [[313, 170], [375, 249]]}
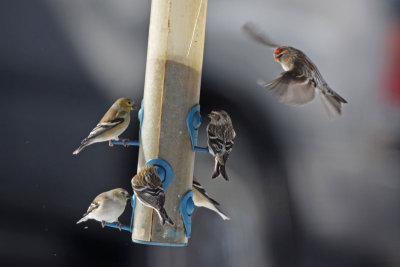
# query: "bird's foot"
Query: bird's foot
{"points": [[120, 225], [103, 223], [110, 143], [123, 141]]}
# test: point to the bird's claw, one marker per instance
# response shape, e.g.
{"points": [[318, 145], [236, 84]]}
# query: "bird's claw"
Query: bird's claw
{"points": [[120, 225], [123, 141], [110, 143], [103, 223]]}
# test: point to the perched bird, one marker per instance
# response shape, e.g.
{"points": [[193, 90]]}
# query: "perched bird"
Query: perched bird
{"points": [[202, 199], [297, 85], [107, 207], [113, 123], [220, 135], [148, 189]]}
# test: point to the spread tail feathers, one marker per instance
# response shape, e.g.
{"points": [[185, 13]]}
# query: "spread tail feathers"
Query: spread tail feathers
{"points": [[220, 170], [332, 101], [164, 216]]}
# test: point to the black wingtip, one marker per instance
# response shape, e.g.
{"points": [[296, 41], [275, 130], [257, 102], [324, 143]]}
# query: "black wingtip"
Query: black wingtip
{"points": [[165, 218], [215, 174], [216, 171], [220, 171], [223, 172]]}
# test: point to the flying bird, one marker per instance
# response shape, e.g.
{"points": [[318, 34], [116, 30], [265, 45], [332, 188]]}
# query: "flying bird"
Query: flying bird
{"points": [[107, 207], [113, 123], [202, 199], [301, 78], [148, 189], [220, 135]]}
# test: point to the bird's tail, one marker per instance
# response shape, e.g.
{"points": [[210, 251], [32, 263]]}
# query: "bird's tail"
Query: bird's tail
{"points": [[164, 216], [220, 213], [85, 142], [332, 101], [84, 219], [219, 169]]}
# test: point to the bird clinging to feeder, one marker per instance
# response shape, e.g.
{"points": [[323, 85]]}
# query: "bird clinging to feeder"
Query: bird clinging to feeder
{"points": [[220, 135], [148, 188], [113, 123], [107, 207]]}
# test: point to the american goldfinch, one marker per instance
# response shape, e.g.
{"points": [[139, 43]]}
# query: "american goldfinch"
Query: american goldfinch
{"points": [[113, 123], [148, 189], [220, 135], [301, 79], [107, 207], [202, 199]]}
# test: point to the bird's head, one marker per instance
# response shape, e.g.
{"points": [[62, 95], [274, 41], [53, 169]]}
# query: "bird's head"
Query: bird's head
{"points": [[219, 117], [280, 52], [126, 104], [122, 194]]}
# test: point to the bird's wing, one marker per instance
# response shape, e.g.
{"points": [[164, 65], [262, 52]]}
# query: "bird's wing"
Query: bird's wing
{"points": [[153, 196], [292, 87], [216, 139], [197, 186], [112, 115], [105, 126], [148, 188], [216, 144], [93, 206], [254, 33]]}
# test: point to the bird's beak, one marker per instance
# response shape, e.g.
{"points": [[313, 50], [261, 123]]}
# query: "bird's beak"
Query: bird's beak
{"points": [[209, 115], [276, 58], [134, 107]]}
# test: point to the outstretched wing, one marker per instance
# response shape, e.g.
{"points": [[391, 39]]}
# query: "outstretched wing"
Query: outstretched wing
{"points": [[292, 87], [254, 33]]}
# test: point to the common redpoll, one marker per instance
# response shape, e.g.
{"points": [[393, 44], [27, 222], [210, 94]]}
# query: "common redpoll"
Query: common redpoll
{"points": [[107, 207], [220, 135], [113, 123], [297, 85], [148, 189], [202, 199]]}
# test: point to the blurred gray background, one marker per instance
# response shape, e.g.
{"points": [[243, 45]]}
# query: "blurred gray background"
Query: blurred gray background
{"points": [[304, 190]]}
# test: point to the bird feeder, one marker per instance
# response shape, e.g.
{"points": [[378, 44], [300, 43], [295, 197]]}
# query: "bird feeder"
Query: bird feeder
{"points": [[172, 89], [169, 118]]}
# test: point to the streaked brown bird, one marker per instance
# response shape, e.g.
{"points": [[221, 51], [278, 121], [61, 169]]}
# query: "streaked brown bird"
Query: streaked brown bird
{"points": [[220, 135], [113, 123], [148, 189], [297, 85], [202, 199]]}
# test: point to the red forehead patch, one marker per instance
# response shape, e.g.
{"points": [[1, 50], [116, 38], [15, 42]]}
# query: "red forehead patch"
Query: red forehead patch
{"points": [[278, 50]]}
